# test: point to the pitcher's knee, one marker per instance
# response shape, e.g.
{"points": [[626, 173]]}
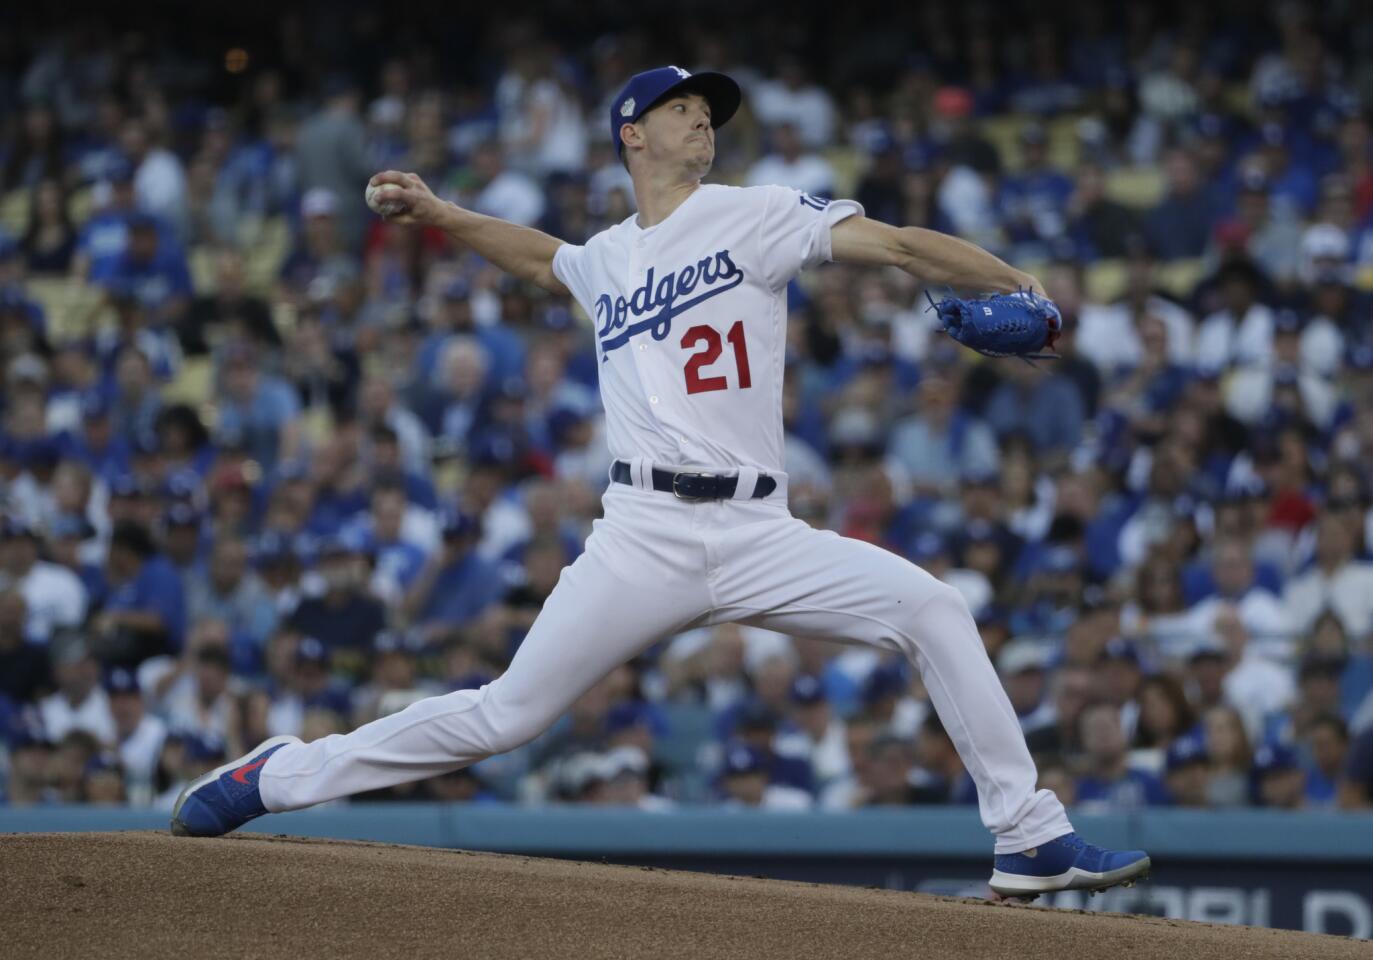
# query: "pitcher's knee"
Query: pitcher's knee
{"points": [[511, 732], [948, 599], [510, 725], [483, 722], [945, 607]]}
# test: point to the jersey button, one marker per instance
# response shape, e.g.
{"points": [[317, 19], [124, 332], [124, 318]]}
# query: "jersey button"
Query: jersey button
{"points": [[643, 346], [652, 399]]}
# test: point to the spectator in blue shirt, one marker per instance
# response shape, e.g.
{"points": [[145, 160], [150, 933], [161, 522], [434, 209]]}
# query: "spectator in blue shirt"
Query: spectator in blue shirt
{"points": [[152, 268], [1180, 225], [385, 454], [1187, 767], [1033, 202], [452, 316], [1044, 406], [345, 617], [133, 328], [229, 590], [145, 612], [259, 410], [104, 237], [456, 584], [1109, 781], [1324, 750], [1294, 189], [939, 442], [95, 443], [397, 560], [1279, 780]]}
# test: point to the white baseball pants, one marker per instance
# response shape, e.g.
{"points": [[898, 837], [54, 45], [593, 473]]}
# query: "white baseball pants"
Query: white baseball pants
{"points": [[655, 566]]}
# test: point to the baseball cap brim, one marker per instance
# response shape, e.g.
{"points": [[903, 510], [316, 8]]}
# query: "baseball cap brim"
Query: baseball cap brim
{"points": [[720, 91]]}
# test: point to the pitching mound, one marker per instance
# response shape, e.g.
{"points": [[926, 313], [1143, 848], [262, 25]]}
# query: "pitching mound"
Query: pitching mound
{"points": [[152, 896]]}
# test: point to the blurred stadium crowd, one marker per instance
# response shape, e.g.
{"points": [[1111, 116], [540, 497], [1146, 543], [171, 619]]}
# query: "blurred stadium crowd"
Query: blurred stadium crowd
{"points": [[272, 466]]}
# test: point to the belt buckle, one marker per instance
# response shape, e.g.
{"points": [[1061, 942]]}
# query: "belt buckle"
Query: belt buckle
{"points": [[687, 497]]}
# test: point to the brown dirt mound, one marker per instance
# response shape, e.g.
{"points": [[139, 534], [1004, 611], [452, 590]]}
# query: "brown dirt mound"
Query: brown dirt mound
{"points": [[152, 896]]}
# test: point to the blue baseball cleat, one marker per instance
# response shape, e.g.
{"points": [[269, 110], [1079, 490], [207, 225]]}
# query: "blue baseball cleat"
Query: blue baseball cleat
{"points": [[1067, 863], [225, 798]]}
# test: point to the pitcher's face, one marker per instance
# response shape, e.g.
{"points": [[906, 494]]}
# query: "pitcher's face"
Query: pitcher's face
{"points": [[677, 132]]}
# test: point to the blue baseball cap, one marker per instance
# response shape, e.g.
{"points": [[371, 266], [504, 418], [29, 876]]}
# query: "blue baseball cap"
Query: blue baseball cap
{"points": [[107, 761], [1118, 648], [807, 689], [347, 541], [310, 650], [119, 169], [645, 90], [886, 680], [1274, 757], [1185, 750], [742, 758], [409, 642], [926, 546], [459, 523], [120, 680], [181, 515], [1058, 560], [631, 714], [271, 547], [1287, 321], [127, 485], [203, 746], [95, 405]]}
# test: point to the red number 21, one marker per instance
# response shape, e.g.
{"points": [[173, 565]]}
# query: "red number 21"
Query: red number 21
{"points": [[695, 383]]}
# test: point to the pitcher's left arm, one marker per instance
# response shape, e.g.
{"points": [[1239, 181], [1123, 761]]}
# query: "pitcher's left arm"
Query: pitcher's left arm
{"points": [[936, 258]]}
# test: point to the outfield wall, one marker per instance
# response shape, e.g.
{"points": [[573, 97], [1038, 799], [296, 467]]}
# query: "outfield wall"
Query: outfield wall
{"points": [[1305, 871]]}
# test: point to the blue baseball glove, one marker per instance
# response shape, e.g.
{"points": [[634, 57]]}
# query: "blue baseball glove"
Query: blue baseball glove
{"points": [[1020, 324]]}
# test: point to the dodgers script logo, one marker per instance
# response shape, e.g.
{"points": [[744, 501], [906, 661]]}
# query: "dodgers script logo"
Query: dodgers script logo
{"points": [[664, 295]]}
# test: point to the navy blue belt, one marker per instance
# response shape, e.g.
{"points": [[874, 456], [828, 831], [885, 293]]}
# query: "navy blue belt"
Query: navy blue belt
{"points": [[695, 486]]}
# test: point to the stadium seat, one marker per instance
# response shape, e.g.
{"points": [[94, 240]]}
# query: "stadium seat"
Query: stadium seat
{"points": [[193, 383], [848, 170], [1363, 279], [81, 204], [266, 255], [201, 262], [1135, 186], [1105, 281], [71, 308], [1180, 277], [1063, 150], [14, 212], [1003, 131], [317, 425]]}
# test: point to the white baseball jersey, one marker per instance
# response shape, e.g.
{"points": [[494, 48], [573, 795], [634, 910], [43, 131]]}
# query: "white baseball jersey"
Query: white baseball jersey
{"points": [[691, 321]]}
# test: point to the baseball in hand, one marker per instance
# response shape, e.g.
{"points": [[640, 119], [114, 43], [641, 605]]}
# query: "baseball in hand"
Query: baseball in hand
{"points": [[376, 197]]}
